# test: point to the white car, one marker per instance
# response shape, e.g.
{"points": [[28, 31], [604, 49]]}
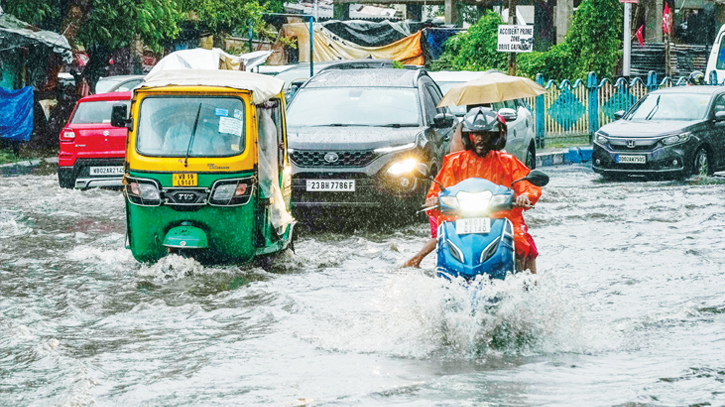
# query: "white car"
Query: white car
{"points": [[521, 140]]}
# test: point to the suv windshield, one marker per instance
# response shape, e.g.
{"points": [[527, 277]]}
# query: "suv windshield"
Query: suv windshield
{"points": [[166, 125], [671, 106], [96, 112], [354, 106]]}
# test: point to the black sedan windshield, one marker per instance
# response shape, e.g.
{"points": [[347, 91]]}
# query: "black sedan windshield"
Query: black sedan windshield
{"points": [[672, 106], [354, 106]]}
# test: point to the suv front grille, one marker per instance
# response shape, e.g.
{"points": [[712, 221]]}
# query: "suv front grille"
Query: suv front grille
{"points": [[344, 158]]}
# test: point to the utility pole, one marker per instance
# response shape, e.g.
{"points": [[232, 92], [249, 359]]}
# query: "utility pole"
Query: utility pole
{"points": [[512, 21], [627, 40]]}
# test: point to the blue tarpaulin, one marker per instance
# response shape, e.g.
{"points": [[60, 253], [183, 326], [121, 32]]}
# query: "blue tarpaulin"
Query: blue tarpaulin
{"points": [[16, 114], [435, 40]]}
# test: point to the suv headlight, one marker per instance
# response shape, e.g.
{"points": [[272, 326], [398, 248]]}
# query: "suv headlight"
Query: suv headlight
{"points": [[676, 139], [143, 192], [401, 167], [600, 138]]}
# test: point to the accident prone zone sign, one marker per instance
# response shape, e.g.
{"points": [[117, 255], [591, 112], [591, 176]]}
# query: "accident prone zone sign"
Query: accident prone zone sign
{"points": [[515, 38]]}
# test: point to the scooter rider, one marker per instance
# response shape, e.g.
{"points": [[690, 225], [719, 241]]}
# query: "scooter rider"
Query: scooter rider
{"points": [[484, 135]]}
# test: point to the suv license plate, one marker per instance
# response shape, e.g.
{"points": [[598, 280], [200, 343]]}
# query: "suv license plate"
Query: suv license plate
{"points": [[107, 170], [473, 225], [632, 159], [330, 185], [184, 180]]}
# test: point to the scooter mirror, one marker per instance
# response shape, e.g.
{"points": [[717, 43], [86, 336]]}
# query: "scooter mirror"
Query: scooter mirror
{"points": [[422, 171], [537, 178]]}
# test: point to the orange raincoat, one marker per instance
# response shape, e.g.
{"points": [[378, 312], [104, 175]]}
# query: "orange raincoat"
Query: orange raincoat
{"points": [[499, 168]]}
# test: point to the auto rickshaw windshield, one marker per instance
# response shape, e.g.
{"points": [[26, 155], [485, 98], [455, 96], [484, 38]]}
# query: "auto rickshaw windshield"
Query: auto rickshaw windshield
{"points": [[171, 126]]}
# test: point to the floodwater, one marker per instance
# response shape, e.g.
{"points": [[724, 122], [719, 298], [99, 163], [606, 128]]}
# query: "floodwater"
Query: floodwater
{"points": [[628, 309]]}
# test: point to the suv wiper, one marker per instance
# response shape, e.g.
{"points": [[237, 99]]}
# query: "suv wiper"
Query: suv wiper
{"points": [[398, 125], [191, 139], [654, 109]]}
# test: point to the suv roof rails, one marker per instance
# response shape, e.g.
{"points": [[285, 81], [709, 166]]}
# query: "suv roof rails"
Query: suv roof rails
{"points": [[359, 64]]}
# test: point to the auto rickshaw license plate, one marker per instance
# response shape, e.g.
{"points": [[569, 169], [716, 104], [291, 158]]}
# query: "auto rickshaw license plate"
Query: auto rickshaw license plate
{"points": [[473, 225], [184, 180]]}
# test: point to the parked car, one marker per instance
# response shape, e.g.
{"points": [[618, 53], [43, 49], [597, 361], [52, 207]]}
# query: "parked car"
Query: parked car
{"points": [[678, 131], [119, 83], [295, 75], [356, 136], [521, 140], [91, 150]]}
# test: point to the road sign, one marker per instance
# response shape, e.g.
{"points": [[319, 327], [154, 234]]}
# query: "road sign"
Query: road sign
{"points": [[515, 38]]}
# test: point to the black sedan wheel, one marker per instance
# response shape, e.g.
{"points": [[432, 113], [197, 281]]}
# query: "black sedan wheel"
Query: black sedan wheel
{"points": [[701, 164]]}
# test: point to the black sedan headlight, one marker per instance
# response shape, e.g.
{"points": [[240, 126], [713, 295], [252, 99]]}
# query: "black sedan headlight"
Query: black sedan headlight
{"points": [[600, 138], [676, 139]]}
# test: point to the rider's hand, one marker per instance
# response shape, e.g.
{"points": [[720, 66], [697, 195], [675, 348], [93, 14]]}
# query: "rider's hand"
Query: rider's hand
{"points": [[432, 201], [522, 201]]}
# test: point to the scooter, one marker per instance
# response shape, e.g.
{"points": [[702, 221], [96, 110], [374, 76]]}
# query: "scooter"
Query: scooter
{"points": [[476, 243]]}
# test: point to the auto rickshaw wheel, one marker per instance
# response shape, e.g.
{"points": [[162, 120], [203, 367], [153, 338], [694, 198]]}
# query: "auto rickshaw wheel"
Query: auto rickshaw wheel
{"points": [[265, 263]]}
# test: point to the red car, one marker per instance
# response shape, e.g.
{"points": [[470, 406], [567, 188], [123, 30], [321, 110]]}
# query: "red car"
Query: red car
{"points": [[91, 150]]}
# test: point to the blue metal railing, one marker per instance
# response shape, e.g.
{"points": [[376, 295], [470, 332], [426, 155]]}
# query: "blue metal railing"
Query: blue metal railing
{"points": [[581, 108]]}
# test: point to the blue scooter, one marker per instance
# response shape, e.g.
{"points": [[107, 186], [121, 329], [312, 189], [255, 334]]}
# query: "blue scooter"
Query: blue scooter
{"points": [[475, 243]]}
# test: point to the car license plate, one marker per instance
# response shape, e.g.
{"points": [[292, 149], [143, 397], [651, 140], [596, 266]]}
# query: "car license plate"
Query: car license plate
{"points": [[330, 185], [631, 159], [184, 180], [107, 170], [473, 225]]}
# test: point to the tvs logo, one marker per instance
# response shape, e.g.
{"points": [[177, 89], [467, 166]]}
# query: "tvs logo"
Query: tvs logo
{"points": [[631, 144], [331, 157], [184, 197]]}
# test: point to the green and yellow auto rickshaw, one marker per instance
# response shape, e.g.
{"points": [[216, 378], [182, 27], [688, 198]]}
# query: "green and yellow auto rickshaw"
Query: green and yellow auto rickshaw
{"points": [[206, 171]]}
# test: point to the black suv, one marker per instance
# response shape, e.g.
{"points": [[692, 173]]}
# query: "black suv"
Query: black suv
{"points": [[356, 136]]}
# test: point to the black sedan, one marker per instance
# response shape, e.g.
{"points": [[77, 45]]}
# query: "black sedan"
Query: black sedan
{"points": [[678, 131]]}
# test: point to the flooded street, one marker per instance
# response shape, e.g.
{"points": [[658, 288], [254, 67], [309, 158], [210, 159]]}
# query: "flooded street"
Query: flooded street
{"points": [[628, 309]]}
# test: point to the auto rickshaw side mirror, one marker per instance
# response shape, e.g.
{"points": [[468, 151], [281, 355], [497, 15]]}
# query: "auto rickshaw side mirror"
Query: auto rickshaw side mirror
{"points": [[443, 120], [619, 114], [119, 115]]}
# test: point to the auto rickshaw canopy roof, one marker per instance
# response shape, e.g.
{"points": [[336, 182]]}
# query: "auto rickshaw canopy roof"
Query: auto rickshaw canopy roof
{"points": [[263, 87]]}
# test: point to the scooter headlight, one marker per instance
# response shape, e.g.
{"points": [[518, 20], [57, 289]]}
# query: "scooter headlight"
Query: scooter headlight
{"points": [[499, 200], [472, 203], [450, 201], [142, 192]]}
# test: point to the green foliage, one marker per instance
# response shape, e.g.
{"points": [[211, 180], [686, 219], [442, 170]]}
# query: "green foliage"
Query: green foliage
{"points": [[289, 42], [556, 63], [398, 65], [31, 11], [593, 43], [475, 49], [221, 16], [595, 37]]}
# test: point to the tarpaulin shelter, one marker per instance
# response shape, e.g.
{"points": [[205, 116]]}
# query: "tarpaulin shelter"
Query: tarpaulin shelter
{"points": [[408, 42], [330, 47], [16, 114], [17, 36]]}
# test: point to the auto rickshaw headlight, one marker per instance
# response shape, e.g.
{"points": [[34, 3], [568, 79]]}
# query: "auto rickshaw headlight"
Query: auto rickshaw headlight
{"points": [[143, 193], [234, 192]]}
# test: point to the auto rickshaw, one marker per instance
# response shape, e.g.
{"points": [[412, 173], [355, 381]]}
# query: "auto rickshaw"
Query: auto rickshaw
{"points": [[206, 171]]}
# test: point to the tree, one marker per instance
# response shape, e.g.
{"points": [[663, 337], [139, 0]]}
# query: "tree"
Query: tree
{"points": [[595, 37], [475, 49], [222, 17], [103, 26]]}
